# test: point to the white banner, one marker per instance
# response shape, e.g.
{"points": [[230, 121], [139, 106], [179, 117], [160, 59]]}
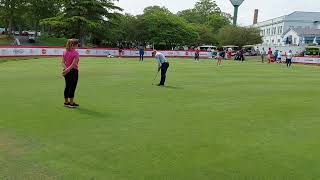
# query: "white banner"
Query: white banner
{"points": [[306, 60], [23, 51], [52, 51]]}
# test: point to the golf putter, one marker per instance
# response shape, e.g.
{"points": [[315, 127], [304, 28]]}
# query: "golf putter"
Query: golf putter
{"points": [[155, 78]]}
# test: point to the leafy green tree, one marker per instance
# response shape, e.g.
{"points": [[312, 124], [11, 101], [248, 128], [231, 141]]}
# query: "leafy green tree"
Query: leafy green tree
{"points": [[2, 19], [154, 9], [207, 7], [208, 18], [41, 9], [192, 16], [160, 27], [239, 36], [11, 10], [201, 12], [206, 35], [83, 18], [121, 28], [216, 22]]}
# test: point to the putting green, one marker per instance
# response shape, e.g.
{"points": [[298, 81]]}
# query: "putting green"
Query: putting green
{"points": [[239, 121]]}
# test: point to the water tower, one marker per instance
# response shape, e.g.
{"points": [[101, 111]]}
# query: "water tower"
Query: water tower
{"points": [[236, 4]]}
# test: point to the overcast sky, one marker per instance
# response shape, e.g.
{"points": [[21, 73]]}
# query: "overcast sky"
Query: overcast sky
{"points": [[267, 8]]}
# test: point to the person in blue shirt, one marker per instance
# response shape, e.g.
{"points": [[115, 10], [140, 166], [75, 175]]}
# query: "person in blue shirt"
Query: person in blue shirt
{"points": [[163, 65], [141, 52]]}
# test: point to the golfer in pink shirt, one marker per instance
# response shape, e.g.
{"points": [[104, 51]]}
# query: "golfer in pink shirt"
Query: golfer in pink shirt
{"points": [[70, 61]]}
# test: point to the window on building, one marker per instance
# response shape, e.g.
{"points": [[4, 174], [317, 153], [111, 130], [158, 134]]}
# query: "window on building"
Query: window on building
{"points": [[318, 40], [295, 41], [272, 41], [309, 40], [279, 40], [280, 30]]}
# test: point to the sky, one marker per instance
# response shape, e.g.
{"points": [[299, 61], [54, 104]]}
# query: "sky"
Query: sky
{"points": [[268, 9]]}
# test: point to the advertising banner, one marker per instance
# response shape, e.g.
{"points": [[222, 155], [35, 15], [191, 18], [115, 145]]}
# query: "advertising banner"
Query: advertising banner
{"points": [[25, 51], [306, 60]]}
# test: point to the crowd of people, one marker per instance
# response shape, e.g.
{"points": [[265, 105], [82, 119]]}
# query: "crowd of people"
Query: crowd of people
{"points": [[277, 56], [229, 53]]}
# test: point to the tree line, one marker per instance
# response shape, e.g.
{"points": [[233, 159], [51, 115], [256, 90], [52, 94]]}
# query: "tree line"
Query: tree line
{"points": [[102, 23]]}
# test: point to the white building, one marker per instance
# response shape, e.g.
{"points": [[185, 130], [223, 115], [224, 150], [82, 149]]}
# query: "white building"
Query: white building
{"points": [[273, 30], [302, 36]]}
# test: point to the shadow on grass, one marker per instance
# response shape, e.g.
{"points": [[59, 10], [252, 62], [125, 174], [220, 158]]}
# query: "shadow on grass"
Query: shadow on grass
{"points": [[91, 113], [173, 87]]}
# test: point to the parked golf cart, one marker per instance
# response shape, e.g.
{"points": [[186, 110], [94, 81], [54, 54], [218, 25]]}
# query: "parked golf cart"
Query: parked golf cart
{"points": [[250, 50], [207, 48], [210, 48]]}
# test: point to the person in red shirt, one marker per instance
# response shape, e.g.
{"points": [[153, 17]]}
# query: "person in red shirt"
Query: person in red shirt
{"points": [[197, 55], [270, 55], [229, 53]]}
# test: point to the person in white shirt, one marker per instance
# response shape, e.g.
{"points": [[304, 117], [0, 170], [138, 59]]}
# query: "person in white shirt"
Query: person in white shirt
{"points": [[163, 65], [279, 58], [289, 59]]}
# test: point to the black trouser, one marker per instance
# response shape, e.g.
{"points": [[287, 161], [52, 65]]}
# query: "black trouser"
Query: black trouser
{"points": [[242, 58], [197, 57], [71, 83], [289, 62], [164, 68], [141, 56]]}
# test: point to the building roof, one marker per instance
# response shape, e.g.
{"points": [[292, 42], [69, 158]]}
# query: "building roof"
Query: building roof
{"points": [[305, 31], [295, 16], [303, 16]]}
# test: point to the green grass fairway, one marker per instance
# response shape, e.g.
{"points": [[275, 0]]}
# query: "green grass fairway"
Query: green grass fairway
{"points": [[246, 121], [50, 41]]}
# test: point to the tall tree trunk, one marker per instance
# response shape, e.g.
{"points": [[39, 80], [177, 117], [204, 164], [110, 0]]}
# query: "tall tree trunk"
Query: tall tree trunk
{"points": [[82, 41], [10, 25], [36, 27]]}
